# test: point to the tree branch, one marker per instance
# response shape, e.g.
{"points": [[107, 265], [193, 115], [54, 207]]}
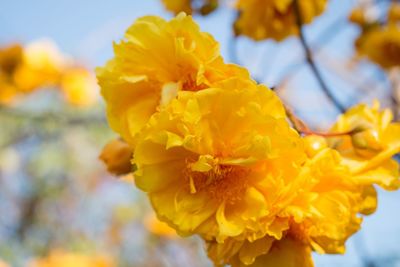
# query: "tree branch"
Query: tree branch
{"points": [[311, 62]]}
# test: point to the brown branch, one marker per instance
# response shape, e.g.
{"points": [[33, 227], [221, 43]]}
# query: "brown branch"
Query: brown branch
{"points": [[303, 129], [28, 215], [310, 60]]}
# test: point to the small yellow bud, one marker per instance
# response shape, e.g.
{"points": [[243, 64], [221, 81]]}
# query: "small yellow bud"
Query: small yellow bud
{"points": [[117, 156], [357, 16], [366, 142], [314, 144], [209, 7], [10, 58]]}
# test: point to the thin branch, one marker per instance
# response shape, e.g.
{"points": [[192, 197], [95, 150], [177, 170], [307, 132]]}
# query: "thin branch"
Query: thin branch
{"points": [[302, 128], [328, 34], [28, 215], [311, 62]]}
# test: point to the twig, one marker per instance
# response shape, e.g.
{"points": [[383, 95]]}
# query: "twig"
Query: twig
{"points": [[311, 62], [28, 215], [329, 33], [303, 129]]}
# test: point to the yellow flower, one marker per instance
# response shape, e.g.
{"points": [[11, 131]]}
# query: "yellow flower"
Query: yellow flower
{"points": [[42, 66], [276, 19], [203, 161], [320, 214], [394, 13], [66, 259], [177, 6], [117, 156], [79, 86], [203, 7], [286, 252], [381, 45], [157, 59], [158, 227], [10, 59], [358, 16], [8, 92], [368, 150]]}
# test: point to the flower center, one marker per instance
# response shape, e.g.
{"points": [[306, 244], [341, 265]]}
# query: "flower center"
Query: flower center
{"points": [[190, 84], [222, 182]]}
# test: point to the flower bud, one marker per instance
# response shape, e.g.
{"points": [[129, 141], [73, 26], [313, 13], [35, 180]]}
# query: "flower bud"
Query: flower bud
{"points": [[357, 16], [366, 142], [117, 156], [314, 144]]}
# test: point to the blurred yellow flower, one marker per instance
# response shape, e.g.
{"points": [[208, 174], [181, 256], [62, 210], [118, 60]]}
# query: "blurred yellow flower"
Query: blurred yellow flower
{"points": [[358, 16], [203, 7], [394, 13], [369, 149], [7, 92], [157, 59], [66, 259], [276, 19], [158, 227], [117, 157], [10, 59], [177, 6], [79, 86], [42, 66], [381, 45]]}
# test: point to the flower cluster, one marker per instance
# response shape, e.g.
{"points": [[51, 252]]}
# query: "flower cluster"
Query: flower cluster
{"points": [[379, 42], [259, 19], [274, 19], [204, 7], [39, 65], [218, 158]]}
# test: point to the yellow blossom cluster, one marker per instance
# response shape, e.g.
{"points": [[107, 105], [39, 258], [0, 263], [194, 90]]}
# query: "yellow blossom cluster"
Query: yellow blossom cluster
{"points": [[203, 7], [276, 19], [39, 65], [379, 42], [259, 19], [218, 158], [58, 258]]}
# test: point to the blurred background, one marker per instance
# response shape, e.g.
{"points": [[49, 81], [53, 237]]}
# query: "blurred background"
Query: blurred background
{"points": [[55, 193]]}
